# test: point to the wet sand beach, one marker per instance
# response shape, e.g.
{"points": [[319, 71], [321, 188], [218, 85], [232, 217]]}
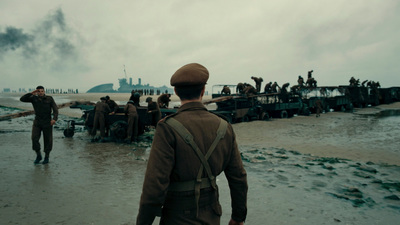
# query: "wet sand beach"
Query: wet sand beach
{"points": [[340, 168]]}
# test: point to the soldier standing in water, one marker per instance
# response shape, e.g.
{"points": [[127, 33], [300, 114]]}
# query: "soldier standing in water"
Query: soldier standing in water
{"points": [[43, 123]]}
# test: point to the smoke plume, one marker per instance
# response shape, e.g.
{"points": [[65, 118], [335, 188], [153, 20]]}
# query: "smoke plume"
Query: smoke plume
{"points": [[13, 39], [51, 42]]}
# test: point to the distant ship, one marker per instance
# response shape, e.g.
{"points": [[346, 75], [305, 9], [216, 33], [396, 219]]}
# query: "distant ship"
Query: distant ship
{"points": [[125, 87]]}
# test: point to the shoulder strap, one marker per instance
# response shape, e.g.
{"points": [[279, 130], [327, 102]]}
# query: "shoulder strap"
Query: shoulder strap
{"points": [[188, 137]]}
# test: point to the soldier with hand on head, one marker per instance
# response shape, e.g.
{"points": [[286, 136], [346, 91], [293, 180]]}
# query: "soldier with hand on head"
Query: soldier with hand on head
{"points": [[190, 149], [43, 105]]}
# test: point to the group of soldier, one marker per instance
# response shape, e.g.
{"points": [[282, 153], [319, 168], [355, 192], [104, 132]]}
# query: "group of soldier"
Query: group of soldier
{"points": [[107, 106], [366, 83], [148, 91], [249, 90]]}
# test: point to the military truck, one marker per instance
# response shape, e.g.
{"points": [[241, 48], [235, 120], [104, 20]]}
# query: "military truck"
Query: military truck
{"points": [[332, 98], [277, 106], [389, 95]]}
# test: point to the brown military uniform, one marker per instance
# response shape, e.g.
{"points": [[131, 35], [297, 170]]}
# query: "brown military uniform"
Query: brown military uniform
{"points": [[163, 100], [274, 87], [155, 113], [101, 110], [267, 88], [172, 160], [226, 90], [318, 107], [113, 105], [258, 81], [43, 107], [133, 121]]}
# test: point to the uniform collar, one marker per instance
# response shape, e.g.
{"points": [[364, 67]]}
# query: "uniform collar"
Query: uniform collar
{"points": [[192, 106]]}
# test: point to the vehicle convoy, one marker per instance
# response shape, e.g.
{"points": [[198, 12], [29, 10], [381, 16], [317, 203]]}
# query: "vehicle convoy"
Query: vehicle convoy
{"points": [[241, 107]]}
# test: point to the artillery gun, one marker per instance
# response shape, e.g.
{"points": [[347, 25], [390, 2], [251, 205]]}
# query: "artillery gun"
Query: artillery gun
{"points": [[117, 123]]}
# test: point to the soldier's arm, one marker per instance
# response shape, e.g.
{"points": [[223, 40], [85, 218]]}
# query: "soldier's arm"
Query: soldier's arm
{"points": [[26, 97], [126, 109], [156, 181], [237, 180], [108, 110], [116, 106], [55, 109]]}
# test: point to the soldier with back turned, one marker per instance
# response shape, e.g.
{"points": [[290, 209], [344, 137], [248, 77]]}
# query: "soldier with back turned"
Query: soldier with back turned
{"points": [[190, 149]]}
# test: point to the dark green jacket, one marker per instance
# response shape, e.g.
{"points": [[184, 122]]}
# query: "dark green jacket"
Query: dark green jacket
{"points": [[42, 106]]}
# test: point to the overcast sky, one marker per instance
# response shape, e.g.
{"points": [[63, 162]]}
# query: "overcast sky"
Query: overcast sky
{"points": [[81, 44]]}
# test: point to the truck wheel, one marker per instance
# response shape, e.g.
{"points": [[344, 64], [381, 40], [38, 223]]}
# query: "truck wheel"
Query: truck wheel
{"points": [[119, 130], [69, 132], [284, 114], [246, 118], [306, 111], [350, 107], [265, 116]]}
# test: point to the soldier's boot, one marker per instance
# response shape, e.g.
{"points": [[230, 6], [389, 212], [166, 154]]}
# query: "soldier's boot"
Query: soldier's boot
{"points": [[128, 140], [46, 158], [38, 157]]}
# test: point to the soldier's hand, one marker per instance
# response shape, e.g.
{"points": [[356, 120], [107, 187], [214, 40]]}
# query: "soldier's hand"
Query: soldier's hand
{"points": [[52, 122], [232, 222]]}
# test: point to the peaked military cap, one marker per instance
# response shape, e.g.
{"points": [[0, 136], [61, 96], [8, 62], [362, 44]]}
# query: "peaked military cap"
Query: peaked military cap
{"points": [[192, 74]]}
